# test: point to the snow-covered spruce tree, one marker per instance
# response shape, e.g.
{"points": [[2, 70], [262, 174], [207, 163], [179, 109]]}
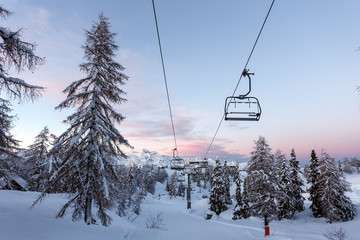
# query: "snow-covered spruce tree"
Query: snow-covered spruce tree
{"points": [[181, 190], [130, 185], [346, 165], [15, 56], [340, 168], [37, 161], [217, 203], [239, 207], [335, 205], [306, 170], [91, 143], [208, 173], [286, 201], [296, 182], [148, 179], [262, 185], [355, 163], [278, 160], [121, 196], [246, 211], [161, 175], [314, 191], [173, 185], [135, 191], [7, 143], [54, 161], [10, 164], [226, 181]]}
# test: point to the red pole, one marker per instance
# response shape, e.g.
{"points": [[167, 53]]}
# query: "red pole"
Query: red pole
{"points": [[267, 231]]}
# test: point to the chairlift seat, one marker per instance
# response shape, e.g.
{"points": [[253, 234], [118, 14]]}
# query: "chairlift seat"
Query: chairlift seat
{"points": [[177, 163], [237, 111]]}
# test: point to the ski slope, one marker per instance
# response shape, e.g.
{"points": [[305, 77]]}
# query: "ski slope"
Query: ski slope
{"points": [[18, 221]]}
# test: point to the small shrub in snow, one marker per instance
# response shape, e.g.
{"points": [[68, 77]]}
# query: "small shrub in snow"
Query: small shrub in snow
{"points": [[336, 234], [155, 222]]}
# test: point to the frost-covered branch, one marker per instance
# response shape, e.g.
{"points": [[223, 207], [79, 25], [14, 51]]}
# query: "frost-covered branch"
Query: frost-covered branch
{"points": [[20, 55]]}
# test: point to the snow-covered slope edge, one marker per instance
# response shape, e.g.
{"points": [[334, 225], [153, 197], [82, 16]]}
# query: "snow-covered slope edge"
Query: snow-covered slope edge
{"points": [[18, 221]]}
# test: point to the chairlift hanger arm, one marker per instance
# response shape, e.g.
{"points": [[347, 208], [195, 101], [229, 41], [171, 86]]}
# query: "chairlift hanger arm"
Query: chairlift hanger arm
{"points": [[246, 73]]}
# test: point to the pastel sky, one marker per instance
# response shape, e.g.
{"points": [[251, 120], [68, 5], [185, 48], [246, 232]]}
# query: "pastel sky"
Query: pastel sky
{"points": [[306, 69]]}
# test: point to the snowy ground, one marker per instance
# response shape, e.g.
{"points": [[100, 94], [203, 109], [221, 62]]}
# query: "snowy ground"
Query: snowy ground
{"points": [[19, 222]]}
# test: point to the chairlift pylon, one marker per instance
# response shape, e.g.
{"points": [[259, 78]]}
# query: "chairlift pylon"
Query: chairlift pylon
{"points": [[243, 107], [177, 163]]}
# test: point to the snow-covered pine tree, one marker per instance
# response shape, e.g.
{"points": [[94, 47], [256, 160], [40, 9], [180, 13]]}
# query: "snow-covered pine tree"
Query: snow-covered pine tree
{"points": [[161, 175], [340, 168], [237, 180], [262, 185], [208, 173], [226, 181], [148, 179], [355, 163], [296, 182], [217, 192], [37, 161], [15, 56], [306, 170], [278, 160], [7, 143], [285, 201], [314, 188], [335, 205], [346, 165], [239, 207], [173, 185], [181, 190], [54, 160], [122, 172], [246, 211], [135, 191], [10, 163], [91, 143], [131, 185]]}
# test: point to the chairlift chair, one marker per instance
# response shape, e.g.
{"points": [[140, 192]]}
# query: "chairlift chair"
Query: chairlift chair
{"points": [[180, 178], [177, 163], [243, 107], [198, 163]]}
